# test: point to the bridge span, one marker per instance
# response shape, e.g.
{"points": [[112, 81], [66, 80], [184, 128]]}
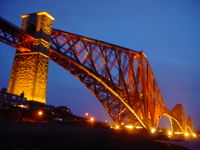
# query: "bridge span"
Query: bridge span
{"points": [[121, 78]]}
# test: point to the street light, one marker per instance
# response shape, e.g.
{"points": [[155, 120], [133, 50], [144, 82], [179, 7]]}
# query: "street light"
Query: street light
{"points": [[186, 134], [92, 119], [194, 135], [86, 114], [169, 133], [40, 113], [153, 130], [129, 126], [117, 127]]}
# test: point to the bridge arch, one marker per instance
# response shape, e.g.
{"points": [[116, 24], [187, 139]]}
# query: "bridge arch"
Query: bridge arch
{"points": [[120, 78], [175, 120], [96, 85], [169, 119]]}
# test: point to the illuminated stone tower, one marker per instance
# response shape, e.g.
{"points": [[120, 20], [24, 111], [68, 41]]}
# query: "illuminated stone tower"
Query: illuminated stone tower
{"points": [[30, 69]]}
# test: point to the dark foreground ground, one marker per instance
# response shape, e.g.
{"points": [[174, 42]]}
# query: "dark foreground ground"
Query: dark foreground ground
{"points": [[74, 136]]}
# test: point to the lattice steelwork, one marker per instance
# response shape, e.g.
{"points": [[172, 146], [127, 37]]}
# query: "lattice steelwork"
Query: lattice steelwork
{"points": [[120, 78]]}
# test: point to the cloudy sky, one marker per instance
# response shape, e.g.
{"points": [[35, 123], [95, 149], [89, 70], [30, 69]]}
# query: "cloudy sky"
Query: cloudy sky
{"points": [[168, 31]]}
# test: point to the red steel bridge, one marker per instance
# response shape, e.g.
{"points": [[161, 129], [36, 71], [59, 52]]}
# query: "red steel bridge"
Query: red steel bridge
{"points": [[121, 78]]}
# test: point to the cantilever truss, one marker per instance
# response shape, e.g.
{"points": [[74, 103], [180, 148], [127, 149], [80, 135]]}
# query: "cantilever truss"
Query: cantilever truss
{"points": [[14, 36], [120, 78]]}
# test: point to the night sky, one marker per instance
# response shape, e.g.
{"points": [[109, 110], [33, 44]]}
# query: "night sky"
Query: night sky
{"points": [[168, 31]]}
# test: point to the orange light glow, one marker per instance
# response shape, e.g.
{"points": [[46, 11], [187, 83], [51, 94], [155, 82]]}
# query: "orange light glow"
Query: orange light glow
{"points": [[40, 13], [22, 106], [40, 113], [169, 133], [23, 49], [153, 130], [25, 16], [194, 135], [46, 14], [186, 134], [117, 127], [86, 114], [129, 126], [92, 119], [178, 133], [138, 127], [144, 54]]}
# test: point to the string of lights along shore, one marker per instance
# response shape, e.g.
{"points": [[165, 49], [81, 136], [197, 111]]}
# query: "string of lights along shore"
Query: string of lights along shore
{"points": [[120, 78]]}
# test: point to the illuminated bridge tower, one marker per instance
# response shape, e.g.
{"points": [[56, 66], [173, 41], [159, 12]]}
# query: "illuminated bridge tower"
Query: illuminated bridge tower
{"points": [[30, 69]]}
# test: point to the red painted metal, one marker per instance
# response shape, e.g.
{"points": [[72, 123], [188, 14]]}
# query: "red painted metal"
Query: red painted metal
{"points": [[120, 78]]}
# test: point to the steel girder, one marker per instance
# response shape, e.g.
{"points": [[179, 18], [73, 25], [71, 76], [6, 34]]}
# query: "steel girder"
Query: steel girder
{"points": [[14, 36], [120, 78]]}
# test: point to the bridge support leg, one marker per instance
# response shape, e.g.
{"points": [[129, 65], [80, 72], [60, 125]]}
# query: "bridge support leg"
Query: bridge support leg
{"points": [[30, 69], [29, 75]]}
